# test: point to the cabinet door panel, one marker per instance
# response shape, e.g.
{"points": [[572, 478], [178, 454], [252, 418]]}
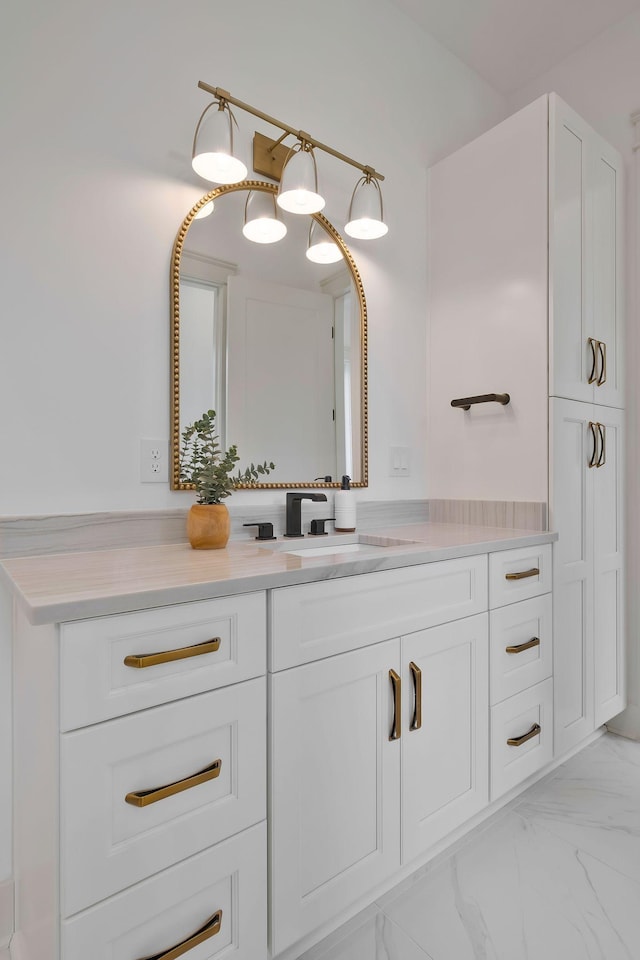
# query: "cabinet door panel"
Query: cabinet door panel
{"points": [[609, 652], [151, 917], [334, 785], [511, 763], [606, 203], [445, 761], [570, 354], [571, 496], [108, 842], [513, 670]]}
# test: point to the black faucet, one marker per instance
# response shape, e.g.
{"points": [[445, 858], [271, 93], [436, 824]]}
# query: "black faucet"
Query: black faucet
{"points": [[294, 511]]}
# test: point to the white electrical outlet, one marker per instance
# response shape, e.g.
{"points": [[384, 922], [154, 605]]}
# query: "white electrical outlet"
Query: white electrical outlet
{"points": [[154, 461], [399, 462]]}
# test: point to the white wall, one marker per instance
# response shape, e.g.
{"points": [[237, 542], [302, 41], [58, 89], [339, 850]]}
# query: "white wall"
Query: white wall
{"points": [[602, 82], [97, 131], [101, 116]]}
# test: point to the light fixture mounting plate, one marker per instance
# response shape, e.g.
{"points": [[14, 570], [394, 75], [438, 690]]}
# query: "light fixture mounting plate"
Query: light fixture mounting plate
{"points": [[268, 157]]}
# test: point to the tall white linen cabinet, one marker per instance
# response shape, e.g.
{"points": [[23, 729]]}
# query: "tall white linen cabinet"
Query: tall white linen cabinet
{"points": [[526, 299]]}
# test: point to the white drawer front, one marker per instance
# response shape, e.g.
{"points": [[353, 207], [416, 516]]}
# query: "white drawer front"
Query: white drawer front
{"points": [[515, 718], [96, 684], [512, 576], [315, 620], [109, 843], [152, 917], [521, 646]]}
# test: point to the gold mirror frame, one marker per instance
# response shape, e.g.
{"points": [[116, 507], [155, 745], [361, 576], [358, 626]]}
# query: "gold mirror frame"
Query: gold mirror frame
{"points": [[176, 257]]}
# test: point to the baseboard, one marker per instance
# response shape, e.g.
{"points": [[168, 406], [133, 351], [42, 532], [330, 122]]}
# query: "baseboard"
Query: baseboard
{"points": [[627, 723], [6, 915]]}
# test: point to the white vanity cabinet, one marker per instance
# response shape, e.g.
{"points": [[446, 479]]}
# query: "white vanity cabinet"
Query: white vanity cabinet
{"points": [[379, 752], [527, 298], [140, 784]]}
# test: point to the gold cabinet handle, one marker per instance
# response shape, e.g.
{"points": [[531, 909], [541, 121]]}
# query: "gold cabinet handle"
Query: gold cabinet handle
{"points": [[396, 686], [602, 430], [168, 656], [416, 673], [521, 647], [518, 741], [142, 798], [593, 376], [602, 350], [208, 930], [594, 455], [523, 574]]}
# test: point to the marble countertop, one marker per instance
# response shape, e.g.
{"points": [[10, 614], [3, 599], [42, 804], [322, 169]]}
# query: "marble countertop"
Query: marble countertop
{"points": [[75, 586]]}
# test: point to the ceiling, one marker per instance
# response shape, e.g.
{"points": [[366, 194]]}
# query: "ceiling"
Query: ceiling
{"points": [[511, 42]]}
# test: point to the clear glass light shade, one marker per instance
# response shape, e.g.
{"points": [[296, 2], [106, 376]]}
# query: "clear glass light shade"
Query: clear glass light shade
{"points": [[213, 158], [298, 191], [204, 211], [321, 248], [261, 223], [365, 212]]}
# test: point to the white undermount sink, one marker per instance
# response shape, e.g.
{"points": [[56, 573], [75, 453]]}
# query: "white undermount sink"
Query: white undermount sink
{"points": [[334, 545]]}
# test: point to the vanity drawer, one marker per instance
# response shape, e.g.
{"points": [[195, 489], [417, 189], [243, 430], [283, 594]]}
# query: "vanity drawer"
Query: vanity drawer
{"points": [[109, 843], [517, 718], [96, 683], [152, 917], [315, 620], [519, 574], [521, 650]]}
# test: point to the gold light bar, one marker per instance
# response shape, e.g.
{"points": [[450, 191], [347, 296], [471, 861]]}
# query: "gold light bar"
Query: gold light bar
{"points": [[221, 94]]}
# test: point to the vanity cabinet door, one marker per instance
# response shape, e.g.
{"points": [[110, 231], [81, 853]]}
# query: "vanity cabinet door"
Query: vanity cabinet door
{"points": [[445, 735], [608, 558], [585, 259], [334, 785], [571, 500]]}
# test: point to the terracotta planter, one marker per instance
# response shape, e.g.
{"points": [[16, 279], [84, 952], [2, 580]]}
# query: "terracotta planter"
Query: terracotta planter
{"points": [[208, 526]]}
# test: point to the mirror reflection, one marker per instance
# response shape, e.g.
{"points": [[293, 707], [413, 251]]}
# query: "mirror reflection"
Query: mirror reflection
{"points": [[275, 342]]}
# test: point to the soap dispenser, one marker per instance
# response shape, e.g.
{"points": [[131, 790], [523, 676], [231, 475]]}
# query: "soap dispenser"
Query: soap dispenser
{"points": [[345, 508]]}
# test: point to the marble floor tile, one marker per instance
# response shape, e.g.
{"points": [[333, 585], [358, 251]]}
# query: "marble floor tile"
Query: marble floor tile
{"points": [[554, 876], [369, 936]]}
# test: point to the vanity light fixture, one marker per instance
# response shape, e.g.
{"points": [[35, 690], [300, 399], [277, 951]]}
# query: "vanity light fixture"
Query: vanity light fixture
{"points": [[295, 168], [366, 215], [320, 248], [298, 191], [261, 222], [212, 157]]}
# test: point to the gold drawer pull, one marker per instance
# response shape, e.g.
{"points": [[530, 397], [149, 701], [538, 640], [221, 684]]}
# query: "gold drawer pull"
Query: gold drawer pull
{"points": [[523, 574], [168, 656], [521, 647], [602, 430], [602, 350], [210, 928], [594, 455], [593, 376], [416, 673], [518, 741], [142, 798], [396, 685]]}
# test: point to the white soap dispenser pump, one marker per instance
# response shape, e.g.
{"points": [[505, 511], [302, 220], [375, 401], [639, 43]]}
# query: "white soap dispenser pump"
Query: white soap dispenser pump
{"points": [[345, 508]]}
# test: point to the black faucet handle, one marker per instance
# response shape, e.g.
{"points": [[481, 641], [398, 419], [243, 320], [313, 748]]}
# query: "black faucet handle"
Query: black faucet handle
{"points": [[317, 526], [265, 529]]}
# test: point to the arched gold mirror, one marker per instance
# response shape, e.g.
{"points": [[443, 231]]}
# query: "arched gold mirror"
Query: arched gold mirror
{"points": [[274, 343]]}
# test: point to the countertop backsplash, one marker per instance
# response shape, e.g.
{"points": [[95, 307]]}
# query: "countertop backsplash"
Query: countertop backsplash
{"points": [[63, 533]]}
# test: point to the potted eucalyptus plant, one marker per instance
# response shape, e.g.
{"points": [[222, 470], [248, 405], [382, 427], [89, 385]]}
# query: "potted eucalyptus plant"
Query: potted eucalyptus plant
{"points": [[204, 464]]}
